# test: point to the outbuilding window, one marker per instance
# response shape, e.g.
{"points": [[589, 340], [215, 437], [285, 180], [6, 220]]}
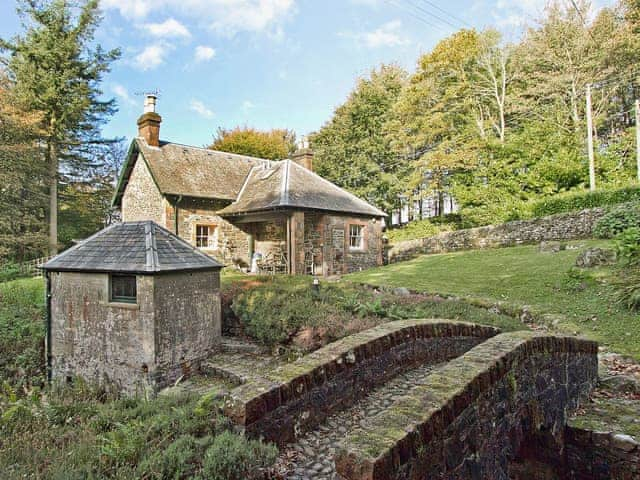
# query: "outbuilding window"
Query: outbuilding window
{"points": [[356, 237], [207, 236], [123, 289]]}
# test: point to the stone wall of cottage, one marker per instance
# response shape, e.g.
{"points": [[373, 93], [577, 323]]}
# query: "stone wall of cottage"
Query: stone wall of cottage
{"points": [[142, 200], [233, 243], [339, 258], [108, 343], [188, 322], [565, 226]]}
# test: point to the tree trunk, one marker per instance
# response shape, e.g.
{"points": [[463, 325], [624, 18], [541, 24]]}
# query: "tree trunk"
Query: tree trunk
{"points": [[52, 149]]}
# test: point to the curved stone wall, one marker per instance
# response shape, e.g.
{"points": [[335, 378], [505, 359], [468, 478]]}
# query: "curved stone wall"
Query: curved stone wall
{"points": [[298, 396], [564, 226], [473, 414]]}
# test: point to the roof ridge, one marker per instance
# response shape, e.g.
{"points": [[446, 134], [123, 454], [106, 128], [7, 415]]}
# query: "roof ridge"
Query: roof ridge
{"points": [[246, 180], [284, 191]]}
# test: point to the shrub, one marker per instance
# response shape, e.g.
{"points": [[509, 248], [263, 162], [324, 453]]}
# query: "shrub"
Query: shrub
{"points": [[418, 229], [22, 332], [617, 220], [628, 246], [628, 288], [274, 312], [178, 460], [232, 457], [573, 201], [10, 271]]}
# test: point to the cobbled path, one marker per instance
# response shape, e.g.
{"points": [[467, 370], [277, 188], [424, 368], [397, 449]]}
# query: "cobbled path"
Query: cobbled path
{"points": [[312, 456]]}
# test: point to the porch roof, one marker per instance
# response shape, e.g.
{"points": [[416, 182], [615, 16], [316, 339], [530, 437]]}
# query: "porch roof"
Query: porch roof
{"points": [[287, 185]]}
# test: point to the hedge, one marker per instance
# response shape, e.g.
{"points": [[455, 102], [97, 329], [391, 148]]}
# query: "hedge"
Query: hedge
{"points": [[570, 202]]}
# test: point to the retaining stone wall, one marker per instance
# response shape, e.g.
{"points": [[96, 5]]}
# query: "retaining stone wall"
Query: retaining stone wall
{"points": [[298, 396], [473, 414], [601, 456], [565, 226]]}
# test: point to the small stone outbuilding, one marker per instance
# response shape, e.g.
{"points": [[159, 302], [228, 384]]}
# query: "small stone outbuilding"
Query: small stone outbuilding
{"points": [[134, 307]]}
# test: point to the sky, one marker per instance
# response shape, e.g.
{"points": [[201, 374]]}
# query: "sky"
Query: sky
{"points": [[266, 63]]}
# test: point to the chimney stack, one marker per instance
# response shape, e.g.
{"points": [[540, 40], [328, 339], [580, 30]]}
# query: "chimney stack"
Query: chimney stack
{"points": [[149, 121], [303, 156]]}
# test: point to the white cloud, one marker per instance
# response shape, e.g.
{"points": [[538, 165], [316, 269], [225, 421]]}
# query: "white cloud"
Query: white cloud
{"points": [[387, 35], [123, 94], [170, 28], [203, 53], [201, 109], [247, 105], [223, 16], [152, 56]]}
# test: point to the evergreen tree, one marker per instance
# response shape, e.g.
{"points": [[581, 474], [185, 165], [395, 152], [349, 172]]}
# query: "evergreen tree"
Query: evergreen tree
{"points": [[57, 71]]}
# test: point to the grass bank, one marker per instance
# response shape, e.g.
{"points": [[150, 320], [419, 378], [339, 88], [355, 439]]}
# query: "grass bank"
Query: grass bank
{"points": [[521, 275]]}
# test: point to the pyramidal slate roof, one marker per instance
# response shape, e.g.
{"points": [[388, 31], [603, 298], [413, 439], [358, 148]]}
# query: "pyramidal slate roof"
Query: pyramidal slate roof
{"points": [[286, 184], [132, 247]]}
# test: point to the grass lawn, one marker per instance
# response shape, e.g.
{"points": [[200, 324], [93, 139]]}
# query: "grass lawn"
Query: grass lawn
{"points": [[522, 275]]}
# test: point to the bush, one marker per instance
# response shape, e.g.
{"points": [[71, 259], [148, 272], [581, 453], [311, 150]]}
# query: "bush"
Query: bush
{"points": [[628, 288], [232, 457], [272, 313], [628, 246], [574, 201], [617, 220], [418, 229], [10, 271], [22, 332]]}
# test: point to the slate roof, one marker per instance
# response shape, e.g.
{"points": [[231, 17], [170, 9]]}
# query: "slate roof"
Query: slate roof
{"points": [[286, 184], [189, 171], [132, 247], [253, 184]]}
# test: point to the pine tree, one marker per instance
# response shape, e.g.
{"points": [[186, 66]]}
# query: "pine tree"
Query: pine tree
{"points": [[57, 71]]}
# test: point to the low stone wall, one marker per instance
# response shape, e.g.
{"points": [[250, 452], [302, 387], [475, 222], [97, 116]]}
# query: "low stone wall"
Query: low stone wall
{"points": [[594, 455], [299, 395], [565, 226], [472, 415]]}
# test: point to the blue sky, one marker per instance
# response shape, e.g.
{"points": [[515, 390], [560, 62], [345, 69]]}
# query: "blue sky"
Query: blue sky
{"points": [[267, 63]]}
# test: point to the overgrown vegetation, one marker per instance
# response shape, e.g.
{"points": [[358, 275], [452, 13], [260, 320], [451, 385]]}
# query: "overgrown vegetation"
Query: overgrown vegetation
{"points": [[585, 301], [78, 432], [286, 311], [83, 432], [22, 333]]}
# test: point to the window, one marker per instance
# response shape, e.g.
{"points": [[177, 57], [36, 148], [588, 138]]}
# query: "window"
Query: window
{"points": [[123, 288], [206, 236], [356, 237]]}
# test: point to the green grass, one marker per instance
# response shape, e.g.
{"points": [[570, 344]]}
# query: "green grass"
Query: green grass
{"points": [[523, 276]]}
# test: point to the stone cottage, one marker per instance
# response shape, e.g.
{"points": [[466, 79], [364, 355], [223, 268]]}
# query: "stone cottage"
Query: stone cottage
{"points": [[133, 307], [272, 216]]}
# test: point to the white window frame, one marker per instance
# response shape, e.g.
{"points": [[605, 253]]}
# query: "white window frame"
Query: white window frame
{"points": [[359, 236], [211, 236]]}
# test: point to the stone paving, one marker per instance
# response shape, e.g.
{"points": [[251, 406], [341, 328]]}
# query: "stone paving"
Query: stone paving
{"points": [[312, 456]]}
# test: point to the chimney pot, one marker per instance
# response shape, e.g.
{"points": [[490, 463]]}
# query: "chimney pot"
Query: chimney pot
{"points": [[304, 155], [149, 122]]}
